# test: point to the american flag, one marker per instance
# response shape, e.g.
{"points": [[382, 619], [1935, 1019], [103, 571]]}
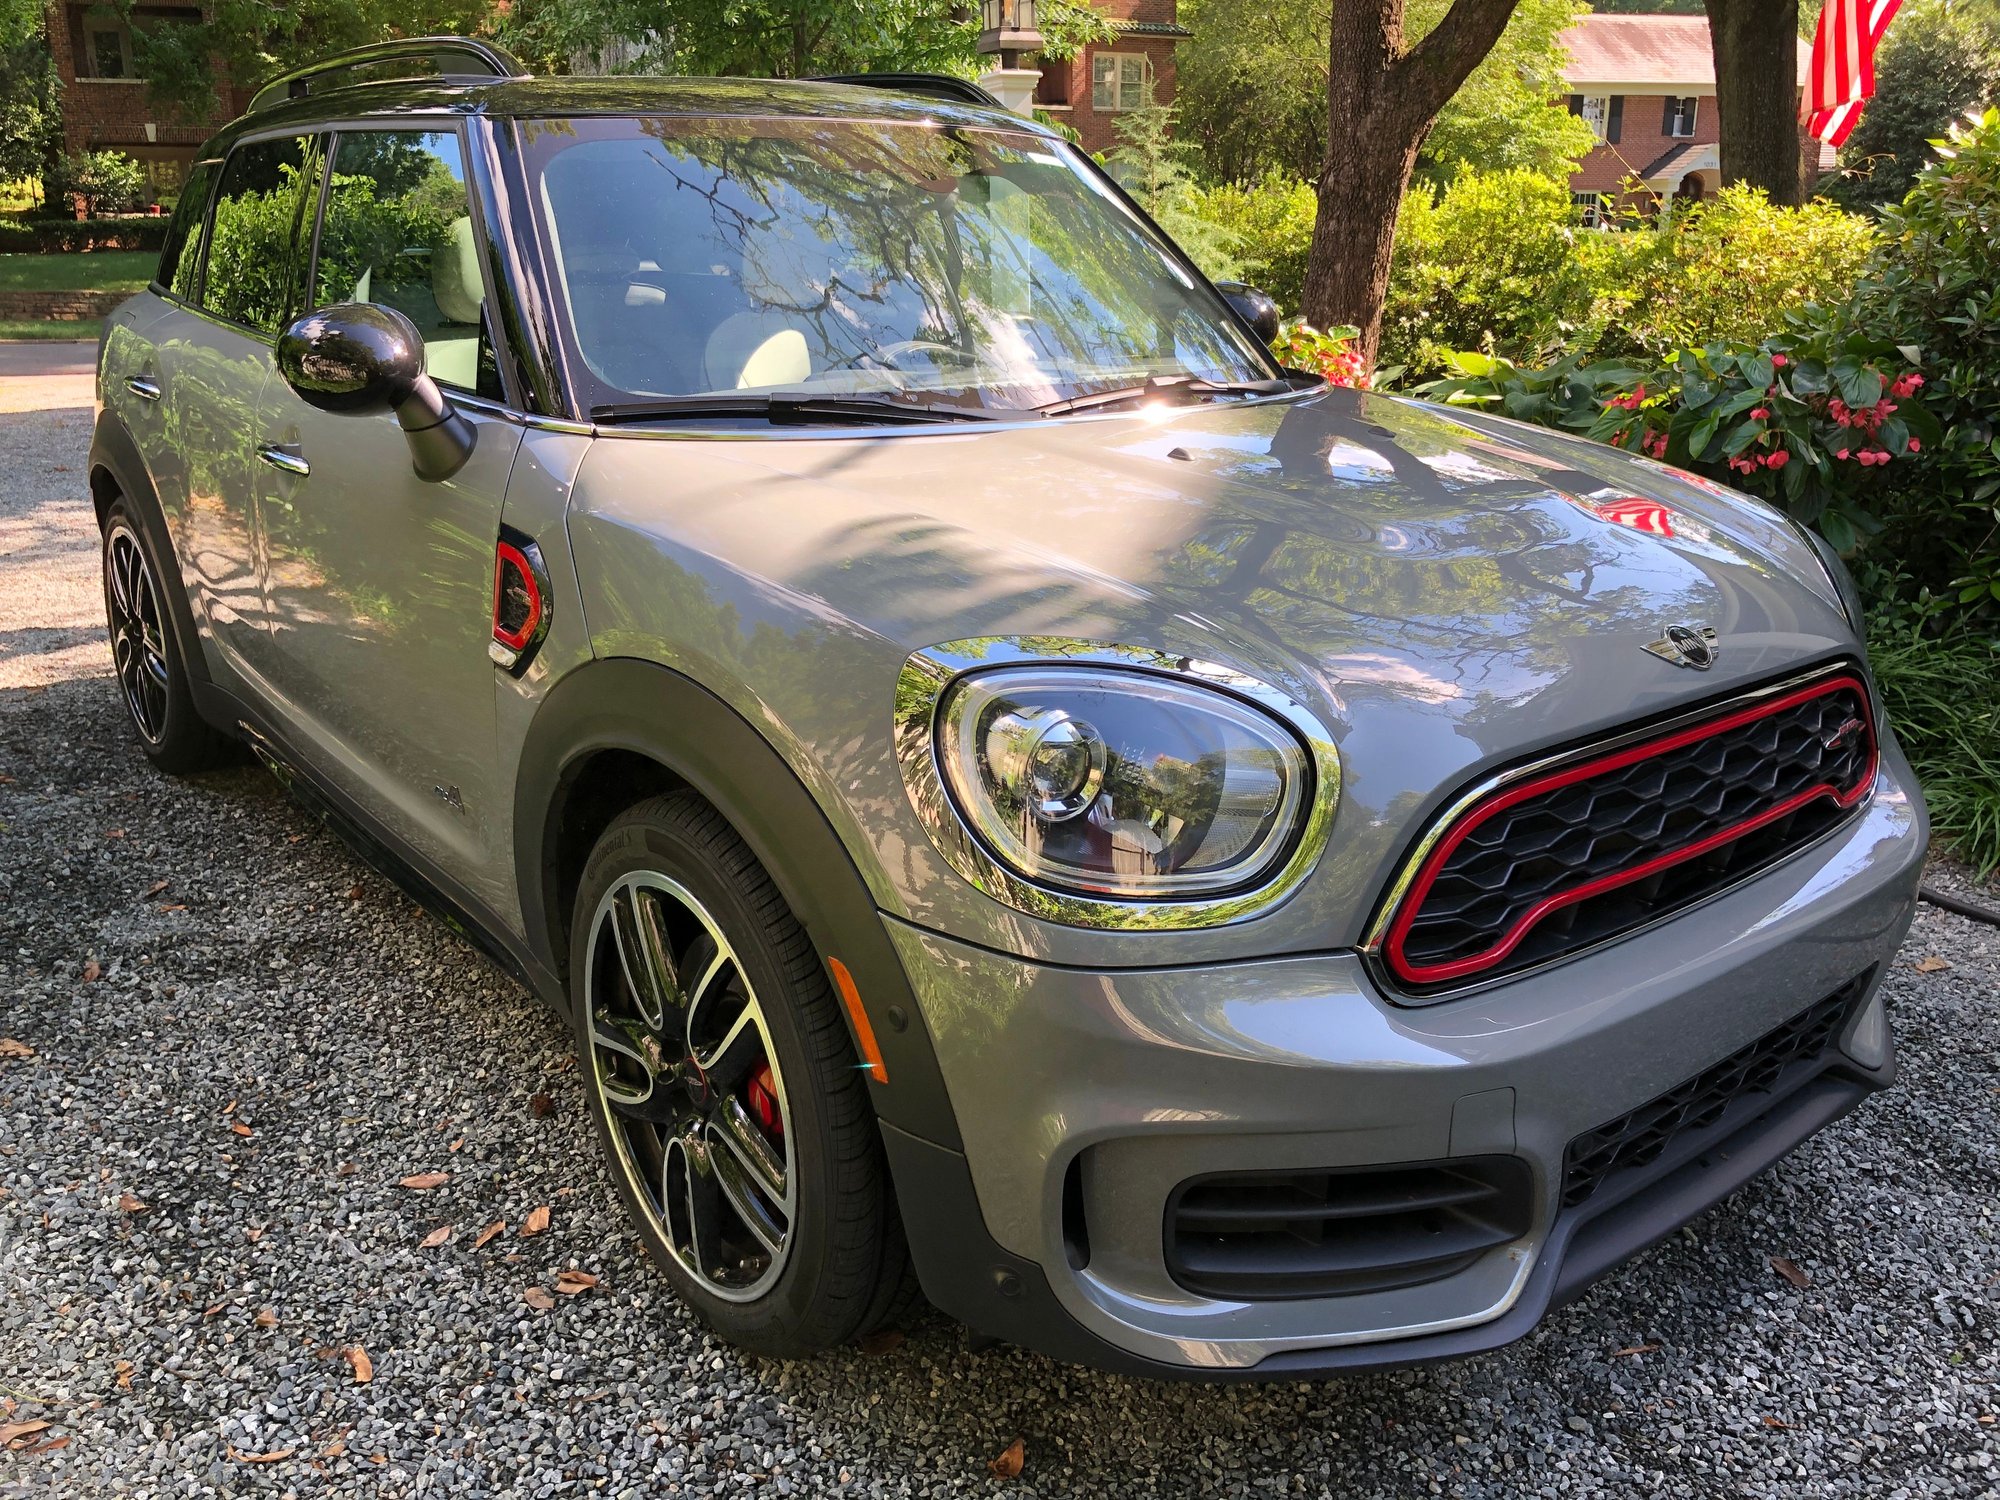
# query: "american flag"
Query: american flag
{"points": [[1843, 65]]}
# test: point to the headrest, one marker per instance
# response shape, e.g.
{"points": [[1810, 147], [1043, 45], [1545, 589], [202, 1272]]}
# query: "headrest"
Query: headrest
{"points": [[455, 274]]}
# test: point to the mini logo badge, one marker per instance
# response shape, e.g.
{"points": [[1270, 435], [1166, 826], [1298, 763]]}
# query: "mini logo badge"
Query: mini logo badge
{"points": [[1686, 646]]}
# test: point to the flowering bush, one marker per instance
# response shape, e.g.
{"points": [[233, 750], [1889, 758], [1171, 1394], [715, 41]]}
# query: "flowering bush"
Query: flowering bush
{"points": [[1807, 419], [1331, 353]]}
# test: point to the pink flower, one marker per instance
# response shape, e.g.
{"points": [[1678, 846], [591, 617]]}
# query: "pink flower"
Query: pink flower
{"points": [[1777, 459], [1841, 454], [1915, 446], [1759, 413], [1778, 361]]}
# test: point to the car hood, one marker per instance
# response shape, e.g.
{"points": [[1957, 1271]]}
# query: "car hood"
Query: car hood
{"points": [[1447, 589]]}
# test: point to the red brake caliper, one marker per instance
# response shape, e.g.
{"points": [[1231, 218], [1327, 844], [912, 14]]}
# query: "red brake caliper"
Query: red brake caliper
{"points": [[763, 1099]]}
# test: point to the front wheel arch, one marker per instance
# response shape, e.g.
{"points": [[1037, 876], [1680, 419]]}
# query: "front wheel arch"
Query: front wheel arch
{"points": [[619, 730]]}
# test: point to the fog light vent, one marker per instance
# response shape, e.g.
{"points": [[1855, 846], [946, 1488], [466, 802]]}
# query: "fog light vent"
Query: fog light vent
{"points": [[1268, 1235]]}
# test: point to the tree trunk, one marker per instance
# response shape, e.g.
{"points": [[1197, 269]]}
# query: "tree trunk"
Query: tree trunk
{"points": [[1382, 99], [1757, 93]]}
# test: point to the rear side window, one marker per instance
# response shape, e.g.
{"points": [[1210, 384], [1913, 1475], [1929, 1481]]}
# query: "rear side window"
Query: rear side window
{"points": [[398, 232], [180, 259], [253, 257]]}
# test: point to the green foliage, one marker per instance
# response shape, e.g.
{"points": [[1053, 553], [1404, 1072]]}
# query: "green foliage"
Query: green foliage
{"points": [[249, 252], [1728, 270], [1252, 91], [1936, 289], [30, 97], [1152, 166], [1812, 419], [1490, 263], [105, 182], [1329, 352], [361, 230], [1937, 62], [1270, 226]]}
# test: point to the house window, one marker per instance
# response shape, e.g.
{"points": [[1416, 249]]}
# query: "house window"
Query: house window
{"points": [[1119, 80], [1680, 117], [1589, 209], [1595, 111], [107, 52]]}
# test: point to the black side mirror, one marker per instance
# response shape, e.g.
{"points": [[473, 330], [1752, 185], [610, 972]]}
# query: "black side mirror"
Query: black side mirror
{"points": [[1252, 306], [359, 358]]}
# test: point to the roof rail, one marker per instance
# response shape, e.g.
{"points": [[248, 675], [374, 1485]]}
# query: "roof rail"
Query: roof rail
{"points": [[932, 85], [445, 56]]}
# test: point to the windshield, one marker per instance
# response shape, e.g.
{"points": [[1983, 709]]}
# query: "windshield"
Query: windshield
{"points": [[979, 269]]}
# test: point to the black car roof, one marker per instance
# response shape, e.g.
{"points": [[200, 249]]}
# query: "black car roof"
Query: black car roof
{"points": [[512, 98]]}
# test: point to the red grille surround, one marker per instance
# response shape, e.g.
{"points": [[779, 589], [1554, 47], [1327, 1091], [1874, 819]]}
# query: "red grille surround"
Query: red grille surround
{"points": [[1737, 791]]}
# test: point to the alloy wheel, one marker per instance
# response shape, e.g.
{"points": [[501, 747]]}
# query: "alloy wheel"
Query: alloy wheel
{"points": [[685, 1072], [138, 638]]}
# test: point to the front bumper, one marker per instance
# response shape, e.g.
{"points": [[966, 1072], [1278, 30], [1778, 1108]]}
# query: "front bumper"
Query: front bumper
{"points": [[1084, 1098]]}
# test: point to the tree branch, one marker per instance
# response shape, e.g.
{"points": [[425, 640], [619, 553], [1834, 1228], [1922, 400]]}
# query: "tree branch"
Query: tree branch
{"points": [[1431, 72]]}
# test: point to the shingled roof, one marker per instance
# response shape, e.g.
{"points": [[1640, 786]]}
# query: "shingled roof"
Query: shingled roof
{"points": [[1646, 51]]}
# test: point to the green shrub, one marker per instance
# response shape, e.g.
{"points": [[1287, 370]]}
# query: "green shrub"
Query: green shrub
{"points": [[1270, 226], [1936, 288], [1727, 270], [1942, 693], [106, 182], [1490, 264], [63, 236]]}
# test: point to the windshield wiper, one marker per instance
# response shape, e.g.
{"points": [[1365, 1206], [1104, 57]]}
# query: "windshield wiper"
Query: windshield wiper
{"points": [[1166, 385], [798, 408]]}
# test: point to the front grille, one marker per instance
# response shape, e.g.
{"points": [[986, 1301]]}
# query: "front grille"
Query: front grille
{"points": [[1590, 850], [1636, 1138], [1270, 1235]]}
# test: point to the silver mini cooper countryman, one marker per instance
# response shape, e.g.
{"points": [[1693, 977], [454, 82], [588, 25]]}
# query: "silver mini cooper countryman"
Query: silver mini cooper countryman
{"points": [[1021, 797]]}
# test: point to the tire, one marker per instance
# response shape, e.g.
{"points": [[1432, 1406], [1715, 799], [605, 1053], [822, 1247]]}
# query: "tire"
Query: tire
{"points": [[674, 1070], [149, 654]]}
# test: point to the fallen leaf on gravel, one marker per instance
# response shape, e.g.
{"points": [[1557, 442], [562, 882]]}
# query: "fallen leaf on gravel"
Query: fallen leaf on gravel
{"points": [[1791, 1272], [423, 1182], [487, 1235], [881, 1341], [355, 893], [364, 1367], [213, 1308], [9, 1047], [536, 1222], [541, 1106], [1010, 1463], [1931, 965], [569, 1283], [259, 1458], [1986, 1420], [123, 1370], [132, 1205], [1774, 1422], [92, 972], [240, 1128], [253, 1235], [265, 1318], [537, 1298], [1634, 1349], [453, 1147], [14, 1432], [346, 1169], [435, 1238], [114, 833], [155, 888], [49, 1447]]}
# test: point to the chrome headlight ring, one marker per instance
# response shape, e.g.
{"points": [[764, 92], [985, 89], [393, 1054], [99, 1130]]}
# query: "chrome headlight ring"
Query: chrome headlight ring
{"points": [[931, 675]]}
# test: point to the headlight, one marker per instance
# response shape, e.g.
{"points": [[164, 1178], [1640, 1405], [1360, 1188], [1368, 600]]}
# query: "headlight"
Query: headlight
{"points": [[1122, 784]]}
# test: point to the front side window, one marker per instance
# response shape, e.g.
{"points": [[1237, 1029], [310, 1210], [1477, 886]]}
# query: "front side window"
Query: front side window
{"points": [[253, 257], [1118, 81], [180, 257], [972, 268], [398, 231]]}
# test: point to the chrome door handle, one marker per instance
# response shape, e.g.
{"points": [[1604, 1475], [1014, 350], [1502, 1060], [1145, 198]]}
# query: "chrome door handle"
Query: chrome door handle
{"points": [[284, 460], [144, 387]]}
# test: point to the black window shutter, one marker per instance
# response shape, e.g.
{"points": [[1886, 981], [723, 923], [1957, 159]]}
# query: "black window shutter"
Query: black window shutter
{"points": [[1576, 104], [1615, 119], [1671, 117]]}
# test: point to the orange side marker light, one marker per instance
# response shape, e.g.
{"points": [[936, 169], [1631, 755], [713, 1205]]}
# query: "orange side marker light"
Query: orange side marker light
{"points": [[864, 1033]]}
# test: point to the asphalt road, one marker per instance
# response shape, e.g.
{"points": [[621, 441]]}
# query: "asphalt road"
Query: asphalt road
{"points": [[240, 1044]]}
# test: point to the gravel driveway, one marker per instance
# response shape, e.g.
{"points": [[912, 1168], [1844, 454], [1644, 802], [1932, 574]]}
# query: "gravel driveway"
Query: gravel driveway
{"points": [[211, 1281]]}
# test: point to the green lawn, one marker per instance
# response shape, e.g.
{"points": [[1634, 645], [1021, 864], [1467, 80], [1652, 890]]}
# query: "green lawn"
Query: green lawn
{"points": [[43, 328], [95, 271]]}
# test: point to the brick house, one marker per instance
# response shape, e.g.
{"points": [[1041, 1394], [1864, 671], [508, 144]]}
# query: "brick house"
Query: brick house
{"points": [[104, 103], [1089, 91], [1646, 85]]}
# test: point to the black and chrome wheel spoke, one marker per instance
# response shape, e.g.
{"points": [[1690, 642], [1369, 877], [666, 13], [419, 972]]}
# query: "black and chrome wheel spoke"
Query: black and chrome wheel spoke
{"points": [[682, 1059], [138, 642]]}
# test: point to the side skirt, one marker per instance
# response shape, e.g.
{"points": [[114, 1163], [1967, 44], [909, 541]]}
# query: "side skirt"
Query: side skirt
{"points": [[382, 852]]}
